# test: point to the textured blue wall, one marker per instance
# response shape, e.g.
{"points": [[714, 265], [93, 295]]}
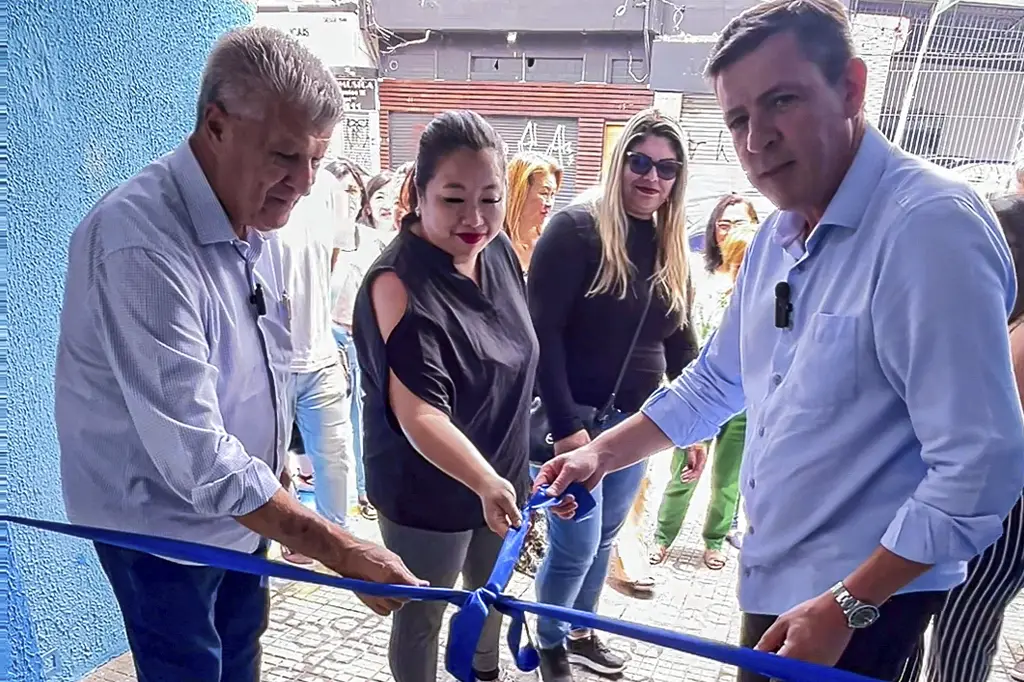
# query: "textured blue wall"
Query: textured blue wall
{"points": [[98, 89]]}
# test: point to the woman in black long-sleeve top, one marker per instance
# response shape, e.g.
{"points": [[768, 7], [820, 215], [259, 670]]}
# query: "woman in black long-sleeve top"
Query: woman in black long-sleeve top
{"points": [[593, 270]]}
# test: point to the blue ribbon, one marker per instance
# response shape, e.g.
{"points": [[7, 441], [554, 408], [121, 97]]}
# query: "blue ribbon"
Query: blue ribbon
{"points": [[467, 624]]}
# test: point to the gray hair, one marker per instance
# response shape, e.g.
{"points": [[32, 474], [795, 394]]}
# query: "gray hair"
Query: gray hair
{"points": [[252, 67]]}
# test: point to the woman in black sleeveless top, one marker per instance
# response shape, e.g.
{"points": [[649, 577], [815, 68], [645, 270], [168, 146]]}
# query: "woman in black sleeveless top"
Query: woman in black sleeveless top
{"points": [[448, 353]]}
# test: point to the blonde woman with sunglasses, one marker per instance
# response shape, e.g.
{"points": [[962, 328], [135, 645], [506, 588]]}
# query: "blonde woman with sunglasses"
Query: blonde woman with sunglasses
{"points": [[609, 298]]}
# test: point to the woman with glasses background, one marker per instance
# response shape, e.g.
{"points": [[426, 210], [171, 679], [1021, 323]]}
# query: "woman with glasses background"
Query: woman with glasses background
{"points": [[729, 229], [600, 271]]}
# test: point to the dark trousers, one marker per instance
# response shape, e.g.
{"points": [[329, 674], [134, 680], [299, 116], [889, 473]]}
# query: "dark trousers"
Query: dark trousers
{"points": [[188, 622], [880, 651]]}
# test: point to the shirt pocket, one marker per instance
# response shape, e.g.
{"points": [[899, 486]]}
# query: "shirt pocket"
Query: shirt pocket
{"points": [[824, 370]]}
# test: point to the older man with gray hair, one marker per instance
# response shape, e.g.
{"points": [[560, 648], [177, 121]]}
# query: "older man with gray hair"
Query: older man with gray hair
{"points": [[172, 383]]}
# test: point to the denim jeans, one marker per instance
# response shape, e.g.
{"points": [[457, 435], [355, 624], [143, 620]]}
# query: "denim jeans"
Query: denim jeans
{"points": [[576, 563], [188, 622], [322, 413], [346, 346]]}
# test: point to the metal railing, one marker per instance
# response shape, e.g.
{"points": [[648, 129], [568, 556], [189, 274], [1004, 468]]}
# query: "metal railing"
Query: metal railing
{"points": [[954, 83]]}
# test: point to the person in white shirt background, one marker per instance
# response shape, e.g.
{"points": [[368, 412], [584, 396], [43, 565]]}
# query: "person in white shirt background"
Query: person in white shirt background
{"points": [[358, 246], [320, 405]]}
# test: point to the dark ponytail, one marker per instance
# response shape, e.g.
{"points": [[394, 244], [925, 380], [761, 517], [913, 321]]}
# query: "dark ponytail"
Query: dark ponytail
{"points": [[408, 201], [447, 133]]}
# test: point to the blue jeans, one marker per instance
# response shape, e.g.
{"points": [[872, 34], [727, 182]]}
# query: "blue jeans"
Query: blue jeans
{"points": [[322, 413], [188, 622], [576, 563], [346, 346]]}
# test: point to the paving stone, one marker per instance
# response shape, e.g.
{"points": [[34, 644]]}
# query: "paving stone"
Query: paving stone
{"points": [[318, 634]]}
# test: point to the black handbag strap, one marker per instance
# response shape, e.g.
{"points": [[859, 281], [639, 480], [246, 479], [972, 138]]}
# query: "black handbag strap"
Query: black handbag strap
{"points": [[610, 404]]}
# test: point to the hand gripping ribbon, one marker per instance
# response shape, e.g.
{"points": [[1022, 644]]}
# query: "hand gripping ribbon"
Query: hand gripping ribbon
{"points": [[467, 624]]}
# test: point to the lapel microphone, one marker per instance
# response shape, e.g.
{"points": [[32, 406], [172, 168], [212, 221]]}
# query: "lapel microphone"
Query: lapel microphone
{"points": [[257, 300], [783, 306]]}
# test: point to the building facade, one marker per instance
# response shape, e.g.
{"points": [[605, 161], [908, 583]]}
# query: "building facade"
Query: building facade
{"points": [[559, 78], [335, 32], [964, 111]]}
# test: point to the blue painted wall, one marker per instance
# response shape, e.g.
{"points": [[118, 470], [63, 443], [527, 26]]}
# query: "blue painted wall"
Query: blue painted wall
{"points": [[98, 88]]}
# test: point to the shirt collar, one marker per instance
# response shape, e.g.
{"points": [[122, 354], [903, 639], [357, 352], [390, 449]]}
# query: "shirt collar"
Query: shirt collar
{"points": [[209, 220], [848, 205], [430, 254]]}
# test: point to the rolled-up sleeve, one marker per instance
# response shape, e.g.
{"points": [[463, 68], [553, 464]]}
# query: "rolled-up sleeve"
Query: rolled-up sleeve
{"points": [[150, 327], [945, 289], [709, 391]]}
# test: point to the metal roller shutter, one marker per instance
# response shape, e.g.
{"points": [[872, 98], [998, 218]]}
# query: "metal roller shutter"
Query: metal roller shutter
{"points": [[556, 137], [585, 107], [714, 168], [404, 136]]}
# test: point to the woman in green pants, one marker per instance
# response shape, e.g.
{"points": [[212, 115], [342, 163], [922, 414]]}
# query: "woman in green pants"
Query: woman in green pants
{"points": [[723, 253]]}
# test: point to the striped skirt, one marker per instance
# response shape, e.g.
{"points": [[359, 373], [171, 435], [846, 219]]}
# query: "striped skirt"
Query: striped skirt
{"points": [[965, 634]]}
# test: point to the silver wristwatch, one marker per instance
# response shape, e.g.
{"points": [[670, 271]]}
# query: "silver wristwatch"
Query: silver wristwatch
{"points": [[858, 614]]}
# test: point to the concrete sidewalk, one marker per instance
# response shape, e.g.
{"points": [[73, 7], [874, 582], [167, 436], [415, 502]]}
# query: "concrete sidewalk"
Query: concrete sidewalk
{"points": [[322, 635]]}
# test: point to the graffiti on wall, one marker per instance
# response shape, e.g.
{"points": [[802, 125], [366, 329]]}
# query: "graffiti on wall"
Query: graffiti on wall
{"points": [[558, 147], [715, 149], [355, 139], [556, 144]]}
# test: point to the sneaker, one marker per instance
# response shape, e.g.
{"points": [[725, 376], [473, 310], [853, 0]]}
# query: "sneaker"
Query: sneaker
{"points": [[1017, 671], [554, 665], [500, 675], [591, 653], [304, 484]]}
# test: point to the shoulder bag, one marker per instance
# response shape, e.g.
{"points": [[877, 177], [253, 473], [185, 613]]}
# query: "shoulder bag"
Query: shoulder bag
{"points": [[542, 444]]}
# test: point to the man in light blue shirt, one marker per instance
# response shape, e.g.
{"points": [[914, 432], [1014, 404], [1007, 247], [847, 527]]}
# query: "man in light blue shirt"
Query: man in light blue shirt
{"points": [[171, 380], [867, 342]]}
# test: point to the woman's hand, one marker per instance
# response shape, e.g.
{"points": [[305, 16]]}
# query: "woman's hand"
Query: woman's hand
{"points": [[572, 442], [498, 498], [696, 458]]}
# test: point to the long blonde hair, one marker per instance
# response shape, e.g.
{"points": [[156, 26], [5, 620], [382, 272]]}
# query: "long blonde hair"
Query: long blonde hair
{"points": [[522, 169], [734, 249], [671, 275]]}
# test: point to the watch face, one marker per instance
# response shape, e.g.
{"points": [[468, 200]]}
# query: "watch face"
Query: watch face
{"points": [[863, 616]]}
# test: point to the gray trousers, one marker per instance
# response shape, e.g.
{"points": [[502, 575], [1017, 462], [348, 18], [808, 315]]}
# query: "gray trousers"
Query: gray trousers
{"points": [[438, 558]]}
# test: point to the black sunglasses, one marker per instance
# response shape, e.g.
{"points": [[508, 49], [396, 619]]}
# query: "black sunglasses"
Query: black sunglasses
{"points": [[641, 164]]}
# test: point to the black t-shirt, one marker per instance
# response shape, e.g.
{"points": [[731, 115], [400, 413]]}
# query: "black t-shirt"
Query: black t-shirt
{"points": [[470, 352], [584, 339]]}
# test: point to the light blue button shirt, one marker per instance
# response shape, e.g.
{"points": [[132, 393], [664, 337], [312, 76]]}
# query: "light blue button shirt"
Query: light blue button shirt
{"points": [[169, 389], [888, 413]]}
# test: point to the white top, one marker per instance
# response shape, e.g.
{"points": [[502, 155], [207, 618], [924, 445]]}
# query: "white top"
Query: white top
{"points": [[308, 240], [383, 236], [349, 271]]}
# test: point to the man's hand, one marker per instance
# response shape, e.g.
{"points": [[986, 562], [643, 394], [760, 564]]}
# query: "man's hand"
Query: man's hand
{"points": [[580, 465], [815, 631], [371, 562], [283, 519], [696, 458]]}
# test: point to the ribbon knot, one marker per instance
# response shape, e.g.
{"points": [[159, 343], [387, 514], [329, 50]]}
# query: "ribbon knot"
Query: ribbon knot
{"points": [[467, 625]]}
